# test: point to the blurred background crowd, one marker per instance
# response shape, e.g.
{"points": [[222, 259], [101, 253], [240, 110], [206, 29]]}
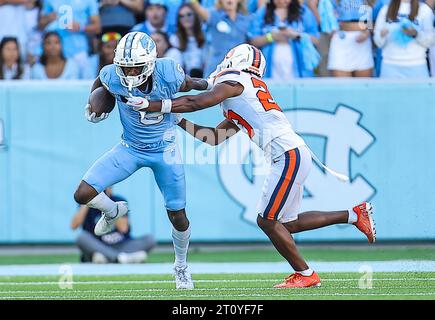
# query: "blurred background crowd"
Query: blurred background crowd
{"points": [[74, 39]]}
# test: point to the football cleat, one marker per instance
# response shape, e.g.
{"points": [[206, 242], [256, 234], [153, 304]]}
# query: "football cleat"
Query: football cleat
{"points": [[106, 224], [365, 222], [183, 278], [297, 280]]}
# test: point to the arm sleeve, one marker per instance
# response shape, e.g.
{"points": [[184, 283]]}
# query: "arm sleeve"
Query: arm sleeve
{"points": [[256, 25], [310, 23], [426, 35], [381, 24]]}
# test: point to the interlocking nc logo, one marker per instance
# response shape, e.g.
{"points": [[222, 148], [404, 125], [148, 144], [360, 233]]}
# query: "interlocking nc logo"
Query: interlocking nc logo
{"points": [[342, 134]]}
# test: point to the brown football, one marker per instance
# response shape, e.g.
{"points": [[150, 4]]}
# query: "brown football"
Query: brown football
{"points": [[101, 101]]}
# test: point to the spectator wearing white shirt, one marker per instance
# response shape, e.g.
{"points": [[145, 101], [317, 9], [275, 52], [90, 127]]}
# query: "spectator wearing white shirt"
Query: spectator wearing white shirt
{"points": [[13, 21], [11, 67], [53, 64], [405, 58], [34, 35], [190, 40]]}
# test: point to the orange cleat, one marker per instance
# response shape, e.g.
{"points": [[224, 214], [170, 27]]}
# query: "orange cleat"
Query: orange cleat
{"points": [[365, 222], [297, 280]]}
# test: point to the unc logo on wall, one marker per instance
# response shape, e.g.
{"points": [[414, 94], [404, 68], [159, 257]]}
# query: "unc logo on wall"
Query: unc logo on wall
{"points": [[343, 135]]}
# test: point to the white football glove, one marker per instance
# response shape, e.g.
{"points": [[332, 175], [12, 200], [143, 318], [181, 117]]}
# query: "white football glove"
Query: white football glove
{"points": [[138, 103], [92, 117], [177, 118]]}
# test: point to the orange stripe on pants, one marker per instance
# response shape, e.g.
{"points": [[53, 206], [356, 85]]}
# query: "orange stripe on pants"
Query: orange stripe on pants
{"points": [[281, 192]]}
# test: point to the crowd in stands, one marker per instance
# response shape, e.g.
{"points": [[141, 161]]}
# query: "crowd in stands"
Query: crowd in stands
{"points": [[74, 39]]}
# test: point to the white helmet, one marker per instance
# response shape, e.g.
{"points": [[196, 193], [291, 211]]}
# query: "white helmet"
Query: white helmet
{"points": [[135, 49], [245, 57]]}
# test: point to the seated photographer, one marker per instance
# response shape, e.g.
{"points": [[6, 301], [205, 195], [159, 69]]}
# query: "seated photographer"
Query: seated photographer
{"points": [[116, 246]]}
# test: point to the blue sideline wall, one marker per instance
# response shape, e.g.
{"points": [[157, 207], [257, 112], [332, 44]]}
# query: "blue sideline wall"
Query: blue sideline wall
{"points": [[379, 133]]}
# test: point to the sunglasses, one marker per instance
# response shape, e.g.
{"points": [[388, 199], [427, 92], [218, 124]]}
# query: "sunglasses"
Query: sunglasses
{"points": [[111, 36], [187, 15]]}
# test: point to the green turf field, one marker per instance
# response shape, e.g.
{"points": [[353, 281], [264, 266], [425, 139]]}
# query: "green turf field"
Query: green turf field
{"points": [[340, 285], [322, 253], [213, 286]]}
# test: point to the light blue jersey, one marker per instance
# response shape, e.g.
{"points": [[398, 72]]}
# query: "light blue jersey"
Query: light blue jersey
{"points": [[146, 131], [148, 139]]}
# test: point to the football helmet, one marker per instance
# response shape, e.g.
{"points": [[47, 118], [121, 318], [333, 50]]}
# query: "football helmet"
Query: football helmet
{"points": [[245, 57], [135, 49]]}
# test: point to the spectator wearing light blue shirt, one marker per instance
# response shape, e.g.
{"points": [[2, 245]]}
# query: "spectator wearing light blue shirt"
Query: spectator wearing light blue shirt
{"points": [[52, 63], [119, 15], [226, 27], [277, 29], [431, 4], [251, 5], [172, 9], [74, 20], [351, 52], [156, 13]]}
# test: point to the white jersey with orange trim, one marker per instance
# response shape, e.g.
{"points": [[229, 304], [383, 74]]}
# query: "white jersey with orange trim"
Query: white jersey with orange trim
{"points": [[256, 113]]}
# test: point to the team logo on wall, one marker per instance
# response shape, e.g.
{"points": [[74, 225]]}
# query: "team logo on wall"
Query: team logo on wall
{"points": [[343, 136]]}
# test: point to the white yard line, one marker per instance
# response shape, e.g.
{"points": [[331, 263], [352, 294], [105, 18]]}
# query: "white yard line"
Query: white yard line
{"points": [[219, 289], [289, 295], [215, 268], [128, 282]]}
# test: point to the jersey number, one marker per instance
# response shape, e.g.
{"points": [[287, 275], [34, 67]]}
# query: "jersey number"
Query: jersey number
{"points": [[264, 96], [232, 116]]}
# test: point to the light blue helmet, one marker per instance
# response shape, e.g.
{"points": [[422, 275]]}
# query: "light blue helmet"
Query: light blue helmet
{"points": [[135, 49]]}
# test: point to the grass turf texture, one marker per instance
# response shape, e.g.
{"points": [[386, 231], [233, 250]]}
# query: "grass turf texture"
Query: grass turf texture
{"points": [[223, 287], [256, 255], [231, 286]]}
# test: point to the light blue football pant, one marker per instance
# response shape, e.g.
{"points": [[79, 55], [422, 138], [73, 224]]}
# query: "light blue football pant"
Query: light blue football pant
{"points": [[121, 162]]}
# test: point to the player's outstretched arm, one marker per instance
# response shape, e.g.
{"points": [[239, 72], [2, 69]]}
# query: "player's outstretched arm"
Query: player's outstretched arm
{"points": [[191, 103], [211, 136], [194, 84]]}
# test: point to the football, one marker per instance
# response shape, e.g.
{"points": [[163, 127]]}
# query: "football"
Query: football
{"points": [[101, 101]]}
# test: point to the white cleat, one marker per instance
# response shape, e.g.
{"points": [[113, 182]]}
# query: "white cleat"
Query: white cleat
{"points": [[132, 257], [183, 278], [106, 224]]}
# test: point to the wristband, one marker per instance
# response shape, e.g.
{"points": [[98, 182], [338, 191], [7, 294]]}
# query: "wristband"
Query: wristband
{"points": [[166, 106], [269, 37], [209, 84]]}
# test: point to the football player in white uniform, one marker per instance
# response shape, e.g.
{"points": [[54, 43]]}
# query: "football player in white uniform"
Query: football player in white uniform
{"points": [[248, 105]]}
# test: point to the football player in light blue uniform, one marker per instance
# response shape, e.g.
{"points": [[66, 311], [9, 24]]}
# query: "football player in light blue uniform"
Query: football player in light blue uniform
{"points": [[148, 139]]}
